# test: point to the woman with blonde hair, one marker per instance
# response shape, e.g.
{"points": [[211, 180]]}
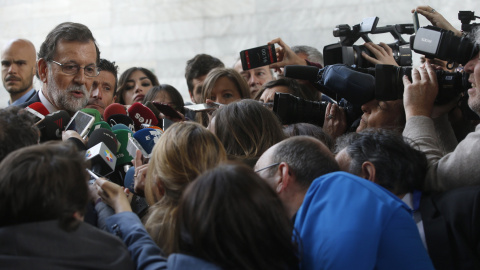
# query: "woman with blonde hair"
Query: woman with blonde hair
{"points": [[183, 152]]}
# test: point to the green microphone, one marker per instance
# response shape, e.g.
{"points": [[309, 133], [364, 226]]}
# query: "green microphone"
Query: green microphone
{"points": [[97, 125], [123, 157], [94, 113]]}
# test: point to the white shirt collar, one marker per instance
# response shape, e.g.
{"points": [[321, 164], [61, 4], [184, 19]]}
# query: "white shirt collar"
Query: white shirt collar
{"points": [[46, 103]]}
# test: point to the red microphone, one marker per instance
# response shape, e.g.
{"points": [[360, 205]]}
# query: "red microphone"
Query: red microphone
{"points": [[38, 110], [113, 109], [140, 114]]}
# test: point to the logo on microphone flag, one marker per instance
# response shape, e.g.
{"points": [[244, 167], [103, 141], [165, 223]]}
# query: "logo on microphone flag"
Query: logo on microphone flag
{"points": [[108, 156]]}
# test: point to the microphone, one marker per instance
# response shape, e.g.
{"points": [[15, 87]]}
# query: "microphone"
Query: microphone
{"points": [[112, 109], [120, 126], [52, 125], [123, 157], [37, 110], [97, 125], [338, 81], [121, 119], [102, 146], [93, 112], [144, 140], [140, 114]]}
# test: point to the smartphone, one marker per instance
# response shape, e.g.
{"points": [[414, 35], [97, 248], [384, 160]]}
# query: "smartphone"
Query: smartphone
{"points": [[81, 122], [203, 107], [167, 110], [416, 24], [258, 57]]}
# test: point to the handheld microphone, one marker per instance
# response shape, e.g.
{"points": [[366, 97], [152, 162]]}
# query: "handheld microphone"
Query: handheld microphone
{"points": [[93, 112], [123, 157], [112, 109], [102, 146], [97, 125], [144, 140], [121, 119], [140, 114], [120, 126], [52, 125]]}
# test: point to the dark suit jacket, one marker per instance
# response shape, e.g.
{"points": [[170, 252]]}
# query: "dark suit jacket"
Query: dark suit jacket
{"points": [[451, 221], [31, 100]]}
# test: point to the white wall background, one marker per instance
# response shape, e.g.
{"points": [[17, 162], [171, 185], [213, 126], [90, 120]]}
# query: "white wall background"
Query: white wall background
{"points": [[163, 34]]}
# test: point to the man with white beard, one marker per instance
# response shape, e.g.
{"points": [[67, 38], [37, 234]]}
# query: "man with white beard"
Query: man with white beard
{"points": [[67, 65]]}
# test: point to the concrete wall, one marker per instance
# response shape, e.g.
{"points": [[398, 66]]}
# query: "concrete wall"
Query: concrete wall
{"points": [[163, 34]]}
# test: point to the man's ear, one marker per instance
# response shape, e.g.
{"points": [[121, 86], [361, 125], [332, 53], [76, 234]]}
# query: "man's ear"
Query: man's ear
{"points": [[368, 171], [285, 177], [42, 70]]}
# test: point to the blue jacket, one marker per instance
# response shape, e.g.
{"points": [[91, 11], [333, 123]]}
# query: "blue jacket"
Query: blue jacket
{"points": [[346, 222], [143, 250]]}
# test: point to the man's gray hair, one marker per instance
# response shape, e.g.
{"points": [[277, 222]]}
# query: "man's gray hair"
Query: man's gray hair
{"points": [[313, 55]]}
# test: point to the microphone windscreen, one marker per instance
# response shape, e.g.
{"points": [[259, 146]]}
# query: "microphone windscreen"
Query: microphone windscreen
{"points": [[97, 125], [140, 114], [112, 109], [154, 109], [103, 135], [95, 113], [147, 138], [120, 126], [52, 125], [39, 107], [123, 157], [129, 180], [121, 119]]}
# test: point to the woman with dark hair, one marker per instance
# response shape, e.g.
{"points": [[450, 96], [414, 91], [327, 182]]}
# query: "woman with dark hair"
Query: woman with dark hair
{"points": [[134, 84], [166, 94], [246, 129], [215, 231]]}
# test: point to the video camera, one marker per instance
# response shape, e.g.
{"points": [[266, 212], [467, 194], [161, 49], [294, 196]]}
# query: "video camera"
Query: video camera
{"points": [[344, 52], [466, 17]]}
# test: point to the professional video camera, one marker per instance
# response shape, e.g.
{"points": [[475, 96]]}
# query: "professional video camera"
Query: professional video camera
{"points": [[344, 52], [439, 43]]}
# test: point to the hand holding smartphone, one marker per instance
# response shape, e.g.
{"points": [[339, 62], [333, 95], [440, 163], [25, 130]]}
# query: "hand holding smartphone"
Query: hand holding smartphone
{"points": [[258, 57]]}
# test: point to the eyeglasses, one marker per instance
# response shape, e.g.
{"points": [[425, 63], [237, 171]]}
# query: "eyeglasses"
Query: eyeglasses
{"points": [[72, 69], [269, 166]]}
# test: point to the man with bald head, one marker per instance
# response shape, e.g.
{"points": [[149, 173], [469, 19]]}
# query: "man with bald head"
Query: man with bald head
{"points": [[343, 221], [18, 70]]}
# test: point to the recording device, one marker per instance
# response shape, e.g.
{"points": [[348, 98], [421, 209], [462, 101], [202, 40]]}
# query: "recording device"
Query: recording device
{"points": [[258, 57], [102, 146], [143, 140], [113, 109], [117, 119], [466, 17], [167, 110], [93, 112], [37, 110], [203, 107], [52, 125], [81, 122], [344, 52], [140, 114], [439, 43], [389, 83], [123, 157]]}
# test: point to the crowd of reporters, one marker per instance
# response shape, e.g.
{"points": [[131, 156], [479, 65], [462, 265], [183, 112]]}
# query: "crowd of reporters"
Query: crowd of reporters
{"points": [[99, 173]]}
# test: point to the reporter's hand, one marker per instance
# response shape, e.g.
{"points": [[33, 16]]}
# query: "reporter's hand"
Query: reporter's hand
{"points": [[419, 95], [436, 19], [72, 134], [383, 54], [113, 195], [285, 56], [335, 123], [140, 174]]}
